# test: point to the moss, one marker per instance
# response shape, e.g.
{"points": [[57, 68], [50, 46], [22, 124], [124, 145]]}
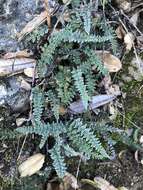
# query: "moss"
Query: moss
{"points": [[132, 104]]}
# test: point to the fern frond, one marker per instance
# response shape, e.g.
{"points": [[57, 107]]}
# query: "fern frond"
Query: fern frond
{"points": [[87, 20], [85, 140], [81, 87], [44, 130], [54, 102], [38, 105], [90, 83], [58, 160], [65, 90], [94, 60], [8, 134], [108, 30], [85, 38], [69, 151]]}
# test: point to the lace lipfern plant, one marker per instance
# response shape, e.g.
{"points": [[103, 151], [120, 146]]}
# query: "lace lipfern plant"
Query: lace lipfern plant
{"points": [[76, 71]]}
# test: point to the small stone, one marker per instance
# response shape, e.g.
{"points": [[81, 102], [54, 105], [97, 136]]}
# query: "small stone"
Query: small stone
{"points": [[13, 95]]}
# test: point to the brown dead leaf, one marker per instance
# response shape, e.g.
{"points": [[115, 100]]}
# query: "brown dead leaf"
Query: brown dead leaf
{"points": [[129, 41], [25, 85], [114, 89], [33, 24], [70, 181], [53, 186], [141, 139], [102, 184], [32, 165], [125, 5], [20, 121], [122, 188], [62, 110], [13, 66], [120, 32], [96, 101], [113, 111], [65, 1], [30, 72], [134, 19], [18, 54], [111, 62]]}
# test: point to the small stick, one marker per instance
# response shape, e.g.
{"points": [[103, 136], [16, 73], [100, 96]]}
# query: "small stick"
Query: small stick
{"points": [[48, 13]]}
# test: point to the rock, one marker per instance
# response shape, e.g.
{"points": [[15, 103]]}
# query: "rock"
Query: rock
{"points": [[14, 15], [13, 95]]}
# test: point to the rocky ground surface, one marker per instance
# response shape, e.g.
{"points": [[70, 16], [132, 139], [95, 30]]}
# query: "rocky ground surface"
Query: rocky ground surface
{"points": [[14, 14]]}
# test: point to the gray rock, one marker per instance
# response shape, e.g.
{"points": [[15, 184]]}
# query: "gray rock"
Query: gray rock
{"points": [[14, 15], [13, 95]]}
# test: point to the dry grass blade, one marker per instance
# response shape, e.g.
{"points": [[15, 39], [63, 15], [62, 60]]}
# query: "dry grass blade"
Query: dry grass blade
{"points": [[33, 24]]}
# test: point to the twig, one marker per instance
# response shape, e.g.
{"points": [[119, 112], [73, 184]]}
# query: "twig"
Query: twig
{"points": [[48, 13], [140, 4], [64, 7], [131, 23], [135, 51]]}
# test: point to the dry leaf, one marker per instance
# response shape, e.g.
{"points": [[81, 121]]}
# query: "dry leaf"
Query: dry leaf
{"points": [[25, 85], [18, 54], [30, 72], [125, 5], [114, 89], [141, 139], [120, 32], [20, 121], [32, 165], [111, 62], [10, 66], [54, 186], [142, 162], [134, 19], [102, 184], [113, 111], [70, 181], [96, 101], [129, 40], [66, 16], [33, 24], [62, 110], [66, 1], [122, 188]]}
